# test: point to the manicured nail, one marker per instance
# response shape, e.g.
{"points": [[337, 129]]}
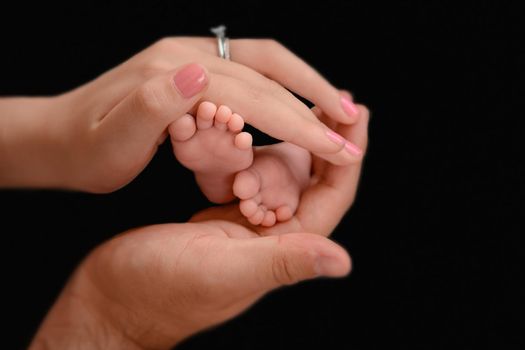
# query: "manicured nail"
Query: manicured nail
{"points": [[335, 137], [190, 80], [353, 149], [349, 107]]}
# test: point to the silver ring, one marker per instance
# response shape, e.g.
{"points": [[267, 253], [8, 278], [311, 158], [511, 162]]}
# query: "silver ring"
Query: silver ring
{"points": [[223, 42]]}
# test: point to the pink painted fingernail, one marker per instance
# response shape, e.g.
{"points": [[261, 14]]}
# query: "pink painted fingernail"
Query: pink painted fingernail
{"points": [[353, 149], [190, 80], [349, 107], [335, 137]]}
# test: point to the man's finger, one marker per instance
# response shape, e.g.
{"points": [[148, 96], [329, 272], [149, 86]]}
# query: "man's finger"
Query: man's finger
{"points": [[262, 264]]}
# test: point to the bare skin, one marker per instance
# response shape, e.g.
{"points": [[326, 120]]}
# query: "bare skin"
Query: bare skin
{"points": [[188, 277], [271, 188], [101, 135], [213, 146]]}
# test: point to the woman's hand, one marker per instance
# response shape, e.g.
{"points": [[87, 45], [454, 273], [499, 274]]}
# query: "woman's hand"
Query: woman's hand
{"points": [[92, 138], [98, 137], [154, 286]]}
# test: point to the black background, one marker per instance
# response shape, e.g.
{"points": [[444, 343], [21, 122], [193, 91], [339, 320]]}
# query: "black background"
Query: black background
{"points": [[435, 233]]}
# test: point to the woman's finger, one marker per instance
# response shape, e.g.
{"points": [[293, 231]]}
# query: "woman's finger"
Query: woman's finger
{"points": [[167, 59], [169, 53], [325, 203], [268, 109], [139, 122], [275, 61], [256, 79], [279, 120], [345, 178]]}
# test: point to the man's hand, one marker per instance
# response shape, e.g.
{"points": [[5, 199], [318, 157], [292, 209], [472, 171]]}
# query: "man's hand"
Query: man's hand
{"points": [[154, 286]]}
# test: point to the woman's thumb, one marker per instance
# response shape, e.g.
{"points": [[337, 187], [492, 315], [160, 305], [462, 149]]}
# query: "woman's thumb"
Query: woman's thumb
{"points": [[142, 117]]}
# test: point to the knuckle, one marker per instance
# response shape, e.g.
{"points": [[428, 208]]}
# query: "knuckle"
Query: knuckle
{"points": [[148, 99], [282, 267], [281, 270], [255, 94], [167, 44], [271, 44], [273, 88], [155, 66]]}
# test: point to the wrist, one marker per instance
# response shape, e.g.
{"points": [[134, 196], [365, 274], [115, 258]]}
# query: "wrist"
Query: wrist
{"points": [[97, 310], [32, 142], [132, 313], [77, 320]]}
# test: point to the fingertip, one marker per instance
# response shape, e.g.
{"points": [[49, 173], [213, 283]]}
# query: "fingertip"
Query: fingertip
{"points": [[342, 158], [364, 112], [354, 150], [329, 258], [191, 80], [335, 264], [347, 94], [350, 109]]}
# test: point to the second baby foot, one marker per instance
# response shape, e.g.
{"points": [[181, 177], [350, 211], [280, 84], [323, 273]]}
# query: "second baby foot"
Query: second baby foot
{"points": [[213, 147], [271, 188]]}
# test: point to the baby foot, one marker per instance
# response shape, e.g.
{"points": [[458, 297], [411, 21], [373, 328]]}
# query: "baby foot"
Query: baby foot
{"points": [[271, 188], [213, 146]]}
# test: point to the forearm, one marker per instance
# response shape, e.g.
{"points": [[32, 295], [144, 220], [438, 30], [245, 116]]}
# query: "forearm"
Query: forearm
{"points": [[30, 143]]}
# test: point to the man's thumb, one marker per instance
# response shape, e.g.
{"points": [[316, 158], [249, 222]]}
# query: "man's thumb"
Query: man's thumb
{"points": [[142, 117], [269, 262]]}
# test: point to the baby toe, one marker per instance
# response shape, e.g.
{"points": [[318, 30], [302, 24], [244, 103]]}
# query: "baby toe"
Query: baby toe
{"points": [[222, 117], [205, 114], [236, 123], [269, 219], [224, 114], [183, 128], [248, 207], [283, 213], [243, 140], [246, 184], [257, 218]]}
